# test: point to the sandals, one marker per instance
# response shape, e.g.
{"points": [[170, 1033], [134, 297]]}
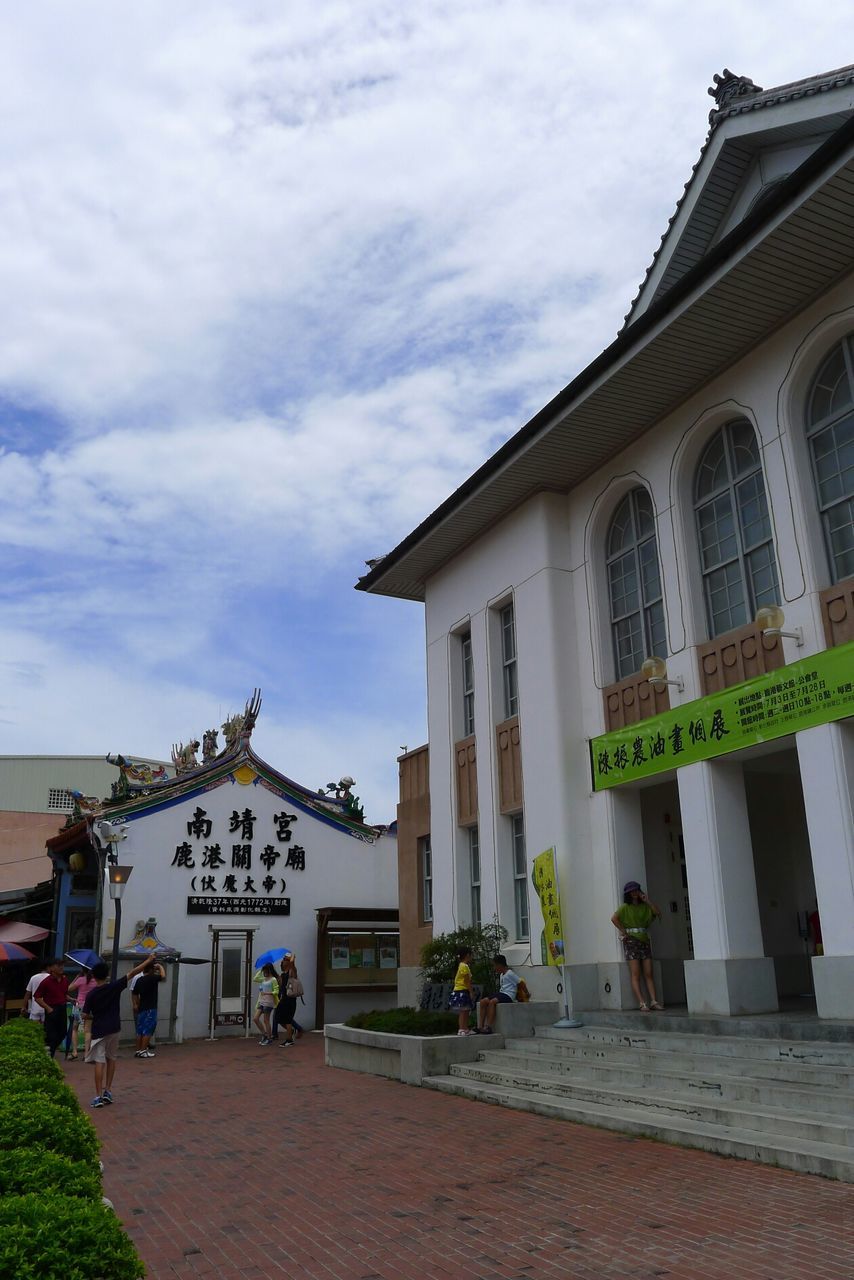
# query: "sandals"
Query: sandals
{"points": [[658, 1007], [643, 1008]]}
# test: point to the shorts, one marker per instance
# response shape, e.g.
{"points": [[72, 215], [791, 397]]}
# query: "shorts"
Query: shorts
{"points": [[146, 1021], [504, 999], [36, 1012], [104, 1049], [76, 1015], [460, 1000], [636, 950]]}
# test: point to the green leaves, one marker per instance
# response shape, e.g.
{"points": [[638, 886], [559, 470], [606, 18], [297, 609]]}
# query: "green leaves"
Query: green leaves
{"points": [[439, 956]]}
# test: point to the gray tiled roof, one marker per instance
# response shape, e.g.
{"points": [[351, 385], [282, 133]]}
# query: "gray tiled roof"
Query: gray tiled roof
{"points": [[744, 103]]}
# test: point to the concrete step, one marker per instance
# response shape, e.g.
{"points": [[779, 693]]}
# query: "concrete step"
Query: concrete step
{"points": [[693, 1060], [778, 1026], [831, 1098], [806, 1052], [764, 1117], [798, 1153]]}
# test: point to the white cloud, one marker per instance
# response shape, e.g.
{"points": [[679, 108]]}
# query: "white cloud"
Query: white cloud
{"points": [[282, 276]]}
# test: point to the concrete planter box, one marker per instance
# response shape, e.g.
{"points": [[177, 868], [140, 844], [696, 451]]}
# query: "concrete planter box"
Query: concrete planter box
{"points": [[411, 1059]]}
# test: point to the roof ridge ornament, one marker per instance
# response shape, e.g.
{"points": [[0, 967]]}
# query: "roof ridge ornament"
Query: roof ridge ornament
{"points": [[728, 86], [237, 729]]}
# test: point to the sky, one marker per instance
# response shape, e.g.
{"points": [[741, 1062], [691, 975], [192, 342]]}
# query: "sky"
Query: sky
{"points": [[276, 279]]}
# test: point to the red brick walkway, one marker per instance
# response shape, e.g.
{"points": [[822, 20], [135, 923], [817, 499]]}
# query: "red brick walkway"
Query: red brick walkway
{"points": [[228, 1160]]}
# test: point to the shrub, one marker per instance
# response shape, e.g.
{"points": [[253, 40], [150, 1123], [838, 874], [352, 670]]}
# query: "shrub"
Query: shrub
{"points": [[22, 1031], [46, 1125], [405, 1022], [18, 1084], [21, 1057], [54, 1235], [45, 1171], [439, 956]]}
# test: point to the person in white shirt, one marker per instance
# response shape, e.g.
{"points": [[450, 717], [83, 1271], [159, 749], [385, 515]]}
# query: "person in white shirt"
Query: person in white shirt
{"points": [[32, 1009], [508, 984]]}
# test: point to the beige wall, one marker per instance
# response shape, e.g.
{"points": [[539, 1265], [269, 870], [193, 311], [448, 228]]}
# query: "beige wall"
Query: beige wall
{"points": [[413, 822], [23, 861]]}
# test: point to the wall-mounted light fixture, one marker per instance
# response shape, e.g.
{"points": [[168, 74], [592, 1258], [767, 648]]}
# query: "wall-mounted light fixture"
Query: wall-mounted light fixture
{"points": [[770, 619], [655, 671]]}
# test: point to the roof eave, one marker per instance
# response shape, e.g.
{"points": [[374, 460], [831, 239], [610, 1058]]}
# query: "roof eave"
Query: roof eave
{"points": [[652, 326]]}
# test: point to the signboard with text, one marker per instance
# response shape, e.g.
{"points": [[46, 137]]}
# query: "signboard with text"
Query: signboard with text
{"points": [[218, 906], [801, 695], [544, 876]]}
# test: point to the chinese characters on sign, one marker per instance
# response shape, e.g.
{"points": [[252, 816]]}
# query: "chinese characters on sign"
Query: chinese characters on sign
{"points": [[799, 696], [210, 906], [251, 882], [544, 876]]}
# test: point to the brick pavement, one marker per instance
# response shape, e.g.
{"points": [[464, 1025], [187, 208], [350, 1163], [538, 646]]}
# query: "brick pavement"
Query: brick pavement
{"points": [[228, 1160]]}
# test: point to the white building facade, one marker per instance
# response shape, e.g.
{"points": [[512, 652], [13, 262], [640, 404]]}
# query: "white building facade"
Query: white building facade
{"points": [[230, 859], [701, 469]]}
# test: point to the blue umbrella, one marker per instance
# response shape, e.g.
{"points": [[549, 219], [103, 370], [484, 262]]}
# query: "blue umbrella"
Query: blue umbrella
{"points": [[85, 957], [271, 956]]}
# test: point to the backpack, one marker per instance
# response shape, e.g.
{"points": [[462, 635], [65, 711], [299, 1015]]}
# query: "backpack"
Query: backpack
{"points": [[523, 995], [294, 987]]}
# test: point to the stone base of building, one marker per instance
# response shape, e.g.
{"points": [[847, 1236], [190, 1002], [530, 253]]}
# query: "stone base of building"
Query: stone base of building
{"points": [[731, 987], [833, 980], [409, 984], [614, 985]]}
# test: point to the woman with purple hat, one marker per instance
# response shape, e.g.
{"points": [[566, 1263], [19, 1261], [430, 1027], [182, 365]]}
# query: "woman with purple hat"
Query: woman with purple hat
{"points": [[633, 919]]}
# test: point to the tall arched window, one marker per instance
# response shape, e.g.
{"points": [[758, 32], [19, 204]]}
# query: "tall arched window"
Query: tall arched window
{"points": [[734, 530], [634, 584], [830, 431]]}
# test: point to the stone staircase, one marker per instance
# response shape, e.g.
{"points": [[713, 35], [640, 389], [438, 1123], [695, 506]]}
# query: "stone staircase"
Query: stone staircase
{"points": [[757, 1089]]}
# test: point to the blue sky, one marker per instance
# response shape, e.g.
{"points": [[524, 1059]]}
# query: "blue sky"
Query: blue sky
{"points": [[276, 279]]}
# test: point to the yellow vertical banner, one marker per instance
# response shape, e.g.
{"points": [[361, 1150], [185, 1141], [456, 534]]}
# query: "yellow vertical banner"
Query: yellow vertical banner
{"points": [[544, 876]]}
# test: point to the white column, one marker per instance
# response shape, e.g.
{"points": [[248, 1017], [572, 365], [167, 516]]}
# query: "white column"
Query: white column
{"points": [[729, 973], [826, 756]]}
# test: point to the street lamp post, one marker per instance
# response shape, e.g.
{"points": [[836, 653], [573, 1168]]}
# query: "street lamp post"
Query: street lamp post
{"points": [[119, 877]]}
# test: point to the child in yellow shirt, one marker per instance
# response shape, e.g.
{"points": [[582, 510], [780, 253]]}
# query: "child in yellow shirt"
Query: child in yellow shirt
{"points": [[461, 996]]}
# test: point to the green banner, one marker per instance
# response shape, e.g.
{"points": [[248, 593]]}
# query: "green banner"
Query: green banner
{"points": [[805, 693], [544, 876]]}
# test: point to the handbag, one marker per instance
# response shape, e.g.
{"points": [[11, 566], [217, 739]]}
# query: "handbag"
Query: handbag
{"points": [[294, 987]]}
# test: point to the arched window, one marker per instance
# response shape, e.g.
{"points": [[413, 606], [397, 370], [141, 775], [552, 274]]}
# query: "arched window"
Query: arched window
{"points": [[736, 548], [830, 431], [634, 584]]}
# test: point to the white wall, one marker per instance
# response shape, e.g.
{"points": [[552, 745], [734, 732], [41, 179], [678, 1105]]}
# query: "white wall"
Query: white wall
{"points": [[340, 871], [548, 557]]}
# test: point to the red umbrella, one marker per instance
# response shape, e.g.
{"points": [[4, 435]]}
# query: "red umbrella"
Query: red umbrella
{"points": [[11, 951], [19, 931]]}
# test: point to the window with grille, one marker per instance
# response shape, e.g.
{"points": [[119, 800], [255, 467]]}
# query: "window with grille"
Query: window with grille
{"points": [[474, 874], [468, 686], [60, 800], [830, 433], [737, 557], [508, 660], [520, 878], [634, 585]]}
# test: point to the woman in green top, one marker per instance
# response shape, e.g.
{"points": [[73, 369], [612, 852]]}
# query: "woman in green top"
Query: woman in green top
{"points": [[633, 919]]}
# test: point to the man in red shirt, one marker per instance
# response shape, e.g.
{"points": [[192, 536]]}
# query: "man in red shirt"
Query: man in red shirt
{"points": [[52, 995]]}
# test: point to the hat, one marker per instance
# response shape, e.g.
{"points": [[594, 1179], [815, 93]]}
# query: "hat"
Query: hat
{"points": [[631, 886]]}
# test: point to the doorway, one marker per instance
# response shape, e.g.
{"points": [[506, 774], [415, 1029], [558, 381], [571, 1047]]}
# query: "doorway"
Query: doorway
{"points": [[667, 886], [785, 887]]}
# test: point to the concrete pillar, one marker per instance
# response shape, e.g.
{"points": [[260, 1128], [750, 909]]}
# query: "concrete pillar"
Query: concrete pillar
{"points": [[826, 756], [729, 973]]}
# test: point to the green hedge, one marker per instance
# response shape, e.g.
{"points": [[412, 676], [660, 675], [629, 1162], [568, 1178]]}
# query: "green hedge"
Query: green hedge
{"points": [[23, 1171], [406, 1022], [53, 1235], [52, 1221], [16, 1084]]}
